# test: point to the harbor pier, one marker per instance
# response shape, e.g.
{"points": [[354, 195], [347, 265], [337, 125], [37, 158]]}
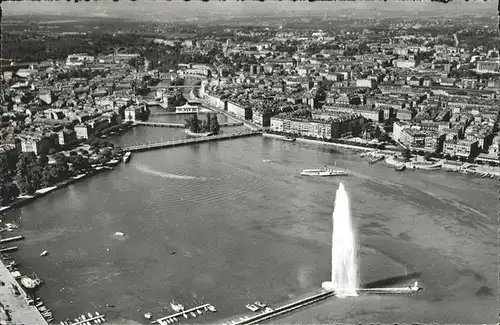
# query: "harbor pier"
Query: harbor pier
{"points": [[166, 319]]}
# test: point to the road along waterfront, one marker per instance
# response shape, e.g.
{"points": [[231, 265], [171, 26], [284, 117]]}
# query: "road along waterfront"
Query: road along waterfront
{"points": [[245, 226]]}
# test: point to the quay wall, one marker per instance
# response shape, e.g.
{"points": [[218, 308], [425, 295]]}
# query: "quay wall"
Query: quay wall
{"points": [[20, 311]]}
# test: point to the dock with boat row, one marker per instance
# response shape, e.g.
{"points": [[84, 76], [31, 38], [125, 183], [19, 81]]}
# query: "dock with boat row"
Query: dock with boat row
{"points": [[182, 142], [87, 320], [166, 319]]}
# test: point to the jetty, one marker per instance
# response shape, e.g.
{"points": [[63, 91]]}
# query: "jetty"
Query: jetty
{"points": [[182, 142], [97, 319], [8, 249], [388, 291], [6, 240], [178, 125], [164, 320]]}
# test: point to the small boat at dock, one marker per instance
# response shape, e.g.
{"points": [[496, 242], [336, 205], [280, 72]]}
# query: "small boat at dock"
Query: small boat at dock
{"points": [[400, 167], [199, 311], [252, 307], [11, 225], [193, 314], [289, 139], [376, 159], [177, 307], [127, 156], [260, 304]]}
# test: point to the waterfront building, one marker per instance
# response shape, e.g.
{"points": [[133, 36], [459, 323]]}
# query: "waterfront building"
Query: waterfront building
{"points": [[262, 116], [434, 141], [239, 110], [461, 148], [335, 126], [38, 143], [412, 139]]}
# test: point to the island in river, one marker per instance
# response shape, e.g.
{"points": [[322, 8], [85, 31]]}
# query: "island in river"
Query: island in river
{"points": [[199, 128]]}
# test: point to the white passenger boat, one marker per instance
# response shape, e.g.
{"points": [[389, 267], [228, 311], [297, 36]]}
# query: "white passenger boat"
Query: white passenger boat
{"points": [[323, 172]]}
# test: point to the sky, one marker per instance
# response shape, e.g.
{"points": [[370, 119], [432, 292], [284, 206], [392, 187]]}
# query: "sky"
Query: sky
{"points": [[176, 9]]}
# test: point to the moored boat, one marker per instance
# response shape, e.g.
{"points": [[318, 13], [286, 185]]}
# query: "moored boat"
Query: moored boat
{"points": [[252, 307], [30, 283], [400, 167], [176, 307], [127, 156], [289, 139], [197, 135], [376, 159]]}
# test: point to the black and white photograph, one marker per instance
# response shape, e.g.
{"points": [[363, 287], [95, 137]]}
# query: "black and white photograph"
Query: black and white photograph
{"points": [[249, 162]]}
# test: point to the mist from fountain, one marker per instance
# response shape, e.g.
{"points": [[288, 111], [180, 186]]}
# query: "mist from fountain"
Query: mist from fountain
{"points": [[344, 262]]}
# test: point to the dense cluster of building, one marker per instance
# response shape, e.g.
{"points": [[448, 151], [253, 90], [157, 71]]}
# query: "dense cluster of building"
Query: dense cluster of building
{"points": [[428, 95]]}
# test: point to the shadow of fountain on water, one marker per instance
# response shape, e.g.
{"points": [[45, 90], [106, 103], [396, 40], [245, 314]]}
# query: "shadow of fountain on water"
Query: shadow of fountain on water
{"points": [[390, 281]]}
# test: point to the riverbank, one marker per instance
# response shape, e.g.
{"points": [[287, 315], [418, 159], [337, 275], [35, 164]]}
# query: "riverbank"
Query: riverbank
{"points": [[334, 144], [420, 163], [23, 199]]}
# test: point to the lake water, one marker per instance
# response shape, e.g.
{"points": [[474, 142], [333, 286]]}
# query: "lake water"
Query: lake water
{"points": [[245, 226]]}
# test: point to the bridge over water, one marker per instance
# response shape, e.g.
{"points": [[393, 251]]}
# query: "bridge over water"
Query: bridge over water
{"points": [[178, 125], [182, 142]]}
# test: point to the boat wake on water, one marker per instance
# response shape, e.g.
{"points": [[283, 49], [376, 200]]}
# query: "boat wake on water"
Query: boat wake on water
{"points": [[146, 169]]}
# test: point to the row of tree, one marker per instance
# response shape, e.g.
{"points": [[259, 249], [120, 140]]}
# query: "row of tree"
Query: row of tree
{"points": [[31, 173], [211, 124]]}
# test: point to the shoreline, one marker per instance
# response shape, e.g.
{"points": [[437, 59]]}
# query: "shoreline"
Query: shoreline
{"points": [[340, 145], [412, 165], [23, 200]]}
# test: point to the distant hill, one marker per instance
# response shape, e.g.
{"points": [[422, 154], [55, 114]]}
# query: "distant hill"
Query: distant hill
{"points": [[215, 11]]}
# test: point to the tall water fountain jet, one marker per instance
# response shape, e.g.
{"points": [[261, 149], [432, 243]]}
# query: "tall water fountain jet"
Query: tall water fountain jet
{"points": [[344, 264]]}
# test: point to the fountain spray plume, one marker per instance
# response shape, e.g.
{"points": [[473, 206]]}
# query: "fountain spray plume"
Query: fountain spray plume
{"points": [[344, 263]]}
